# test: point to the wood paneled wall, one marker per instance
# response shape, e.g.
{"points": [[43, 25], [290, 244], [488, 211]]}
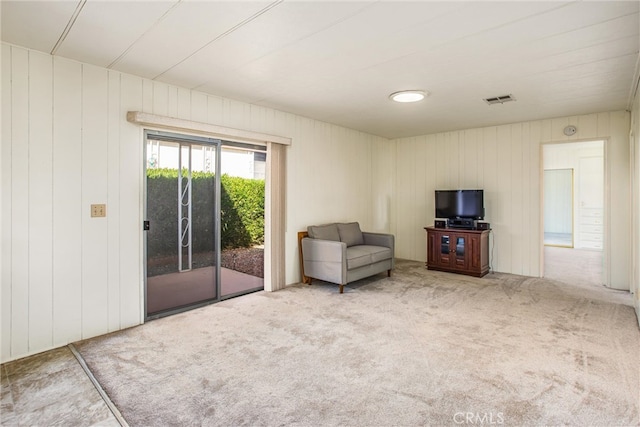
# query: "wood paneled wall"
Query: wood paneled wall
{"points": [[634, 136], [66, 144], [505, 162]]}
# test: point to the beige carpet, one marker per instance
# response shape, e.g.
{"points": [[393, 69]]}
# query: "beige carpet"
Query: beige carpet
{"points": [[419, 348], [578, 266]]}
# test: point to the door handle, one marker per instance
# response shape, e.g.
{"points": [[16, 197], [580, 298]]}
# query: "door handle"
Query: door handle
{"points": [[146, 225]]}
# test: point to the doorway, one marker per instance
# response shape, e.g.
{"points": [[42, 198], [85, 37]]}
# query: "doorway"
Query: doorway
{"points": [[204, 221], [574, 210]]}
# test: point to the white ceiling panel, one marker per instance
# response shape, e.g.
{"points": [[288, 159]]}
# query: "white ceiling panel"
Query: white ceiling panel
{"points": [[285, 25], [188, 28], [385, 48], [339, 60], [614, 29], [95, 38], [35, 24]]}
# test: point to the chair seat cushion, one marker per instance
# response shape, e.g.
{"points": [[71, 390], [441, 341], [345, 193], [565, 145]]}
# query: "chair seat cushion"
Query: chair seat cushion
{"points": [[361, 255]]}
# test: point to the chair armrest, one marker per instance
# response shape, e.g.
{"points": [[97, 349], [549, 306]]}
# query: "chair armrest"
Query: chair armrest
{"points": [[325, 260], [379, 239], [323, 250]]}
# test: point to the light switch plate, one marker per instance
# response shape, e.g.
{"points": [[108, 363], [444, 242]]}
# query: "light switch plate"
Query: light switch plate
{"points": [[98, 211]]}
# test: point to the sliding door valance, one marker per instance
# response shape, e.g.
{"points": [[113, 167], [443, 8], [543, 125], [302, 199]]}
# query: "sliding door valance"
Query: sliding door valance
{"points": [[229, 134], [275, 190]]}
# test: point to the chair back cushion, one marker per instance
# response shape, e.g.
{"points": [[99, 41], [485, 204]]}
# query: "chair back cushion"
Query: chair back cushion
{"points": [[351, 234], [324, 232]]}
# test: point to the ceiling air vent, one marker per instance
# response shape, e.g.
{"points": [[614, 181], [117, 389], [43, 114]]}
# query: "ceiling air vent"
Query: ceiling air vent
{"points": [[499, 99]]}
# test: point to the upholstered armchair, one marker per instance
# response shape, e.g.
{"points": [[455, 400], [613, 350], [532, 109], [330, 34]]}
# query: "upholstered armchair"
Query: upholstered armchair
{"points": [[341, 253]]}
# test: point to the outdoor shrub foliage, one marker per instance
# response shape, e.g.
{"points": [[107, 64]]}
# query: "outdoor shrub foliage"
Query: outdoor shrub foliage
{"points": [[242, 211]]}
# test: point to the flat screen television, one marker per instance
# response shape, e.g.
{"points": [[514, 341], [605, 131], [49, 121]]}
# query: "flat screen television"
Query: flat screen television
{"points": [[452, 204]]}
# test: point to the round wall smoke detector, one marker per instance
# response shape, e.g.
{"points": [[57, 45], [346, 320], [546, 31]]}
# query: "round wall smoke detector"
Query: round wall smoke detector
{"points": [[570, 130]]}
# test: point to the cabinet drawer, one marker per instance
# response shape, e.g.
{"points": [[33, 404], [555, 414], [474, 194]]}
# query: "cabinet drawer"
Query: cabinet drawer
{"points": [[592, 228], [586, 220], [590, 245], [592, 213], [591, 237]]}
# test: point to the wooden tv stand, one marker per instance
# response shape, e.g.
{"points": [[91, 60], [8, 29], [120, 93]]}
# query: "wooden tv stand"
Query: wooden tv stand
{"points": [[456, 250]]}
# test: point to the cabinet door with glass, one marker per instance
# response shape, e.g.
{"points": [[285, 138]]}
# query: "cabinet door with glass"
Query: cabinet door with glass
{"points": [[447, 249], [458, 251]]}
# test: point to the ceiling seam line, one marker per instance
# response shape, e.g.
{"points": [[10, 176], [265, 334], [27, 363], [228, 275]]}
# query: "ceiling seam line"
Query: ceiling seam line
{"points": [[123, 54], [582, 64], [524, 18], [70, 24], [320, 30], [635, 85], [226, 33]]}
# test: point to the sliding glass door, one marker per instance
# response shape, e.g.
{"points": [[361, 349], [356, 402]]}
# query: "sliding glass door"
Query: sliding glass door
{"points": [[204, 221], [181, 219], [242, 191]]}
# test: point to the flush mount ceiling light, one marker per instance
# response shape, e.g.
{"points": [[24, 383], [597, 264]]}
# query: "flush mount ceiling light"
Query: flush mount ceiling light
{"points": [[408, 95]]}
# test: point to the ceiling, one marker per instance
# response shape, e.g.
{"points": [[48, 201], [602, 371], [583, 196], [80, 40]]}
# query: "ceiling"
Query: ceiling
{"points": [[339, 61]]}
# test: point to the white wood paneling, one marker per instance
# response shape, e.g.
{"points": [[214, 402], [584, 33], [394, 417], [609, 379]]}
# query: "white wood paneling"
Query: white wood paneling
{"points": [[634, 136], [509, 171], [147, 95], [199, 107], [214, 109], [40, 174], [489, 156], [526, 198], [517, 184], [422, 197], [7, 236], [67, 197], [455, 152], [442, 167], [160, 99], [184, 104], [382, 184], [20, 201], [503, 225], [469, 177], [405, 196], [534, 184], [113, 201], [131, 172], [431, 162], [619, 218], [588, 124], [95, 291]]}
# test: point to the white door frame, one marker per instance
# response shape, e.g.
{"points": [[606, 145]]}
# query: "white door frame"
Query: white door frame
{"points": [[606, 250]]}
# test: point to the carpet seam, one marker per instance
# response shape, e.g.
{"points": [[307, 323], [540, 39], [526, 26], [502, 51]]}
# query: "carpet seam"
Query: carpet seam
{"points": [[112, 407]]}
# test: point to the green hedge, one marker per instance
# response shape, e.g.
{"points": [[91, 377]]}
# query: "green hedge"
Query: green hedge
{"points": [[242, 211]]}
